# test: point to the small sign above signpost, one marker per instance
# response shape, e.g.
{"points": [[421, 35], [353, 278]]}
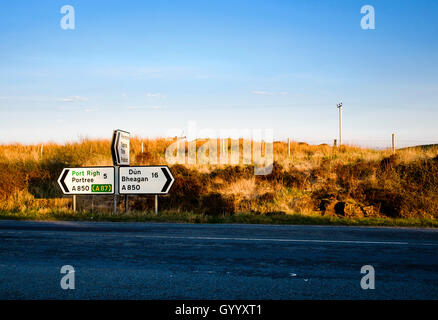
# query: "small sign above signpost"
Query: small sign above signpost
{"points": [[120, 148], [145, 180]]}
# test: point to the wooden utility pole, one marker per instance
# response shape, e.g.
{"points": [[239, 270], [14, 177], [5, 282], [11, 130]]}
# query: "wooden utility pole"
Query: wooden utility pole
{"points": [[393, 143], [340, 123], [288, 147]]}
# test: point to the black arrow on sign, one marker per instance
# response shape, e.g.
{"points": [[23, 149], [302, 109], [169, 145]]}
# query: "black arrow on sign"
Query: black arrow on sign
{"points": [[168, 177], [62, 181], [114, 152]]}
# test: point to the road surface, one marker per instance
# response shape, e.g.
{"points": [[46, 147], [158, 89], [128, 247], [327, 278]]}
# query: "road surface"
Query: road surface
{"points": [[205, 261]]}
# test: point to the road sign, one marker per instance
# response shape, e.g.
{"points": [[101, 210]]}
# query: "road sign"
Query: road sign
{"points": [[89, 180], [120, 148], [145, 180]]}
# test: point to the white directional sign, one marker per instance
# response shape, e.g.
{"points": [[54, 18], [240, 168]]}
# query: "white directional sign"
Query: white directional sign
{"points": [[90, 180], [120, 148], [145, 180]]}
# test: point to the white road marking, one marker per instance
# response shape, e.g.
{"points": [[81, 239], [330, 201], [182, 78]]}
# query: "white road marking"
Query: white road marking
{"points": [[80, 233], [277, 240]]}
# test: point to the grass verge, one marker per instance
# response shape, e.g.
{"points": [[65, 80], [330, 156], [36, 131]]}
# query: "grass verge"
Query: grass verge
{"points": [[189, 217]]}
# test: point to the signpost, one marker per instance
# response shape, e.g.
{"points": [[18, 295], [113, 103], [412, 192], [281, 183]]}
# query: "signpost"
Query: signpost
{"points": [[120, 148], [88, 180], [145, 180], [119, 179]]}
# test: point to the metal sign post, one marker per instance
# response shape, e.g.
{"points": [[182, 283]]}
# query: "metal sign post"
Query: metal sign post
{"points": [[116, 192], [87, 180], [120, 148], [145, 180], [119, 179]]}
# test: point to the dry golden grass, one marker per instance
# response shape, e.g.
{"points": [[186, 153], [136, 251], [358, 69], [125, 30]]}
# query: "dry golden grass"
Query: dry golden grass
{"points": [[315, 179], [248, 189]]}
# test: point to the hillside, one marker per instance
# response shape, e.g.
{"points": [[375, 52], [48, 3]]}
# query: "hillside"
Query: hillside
{"points": [[346, 181]]}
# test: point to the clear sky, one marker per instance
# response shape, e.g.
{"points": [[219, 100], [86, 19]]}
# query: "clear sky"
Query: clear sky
{"points": [[150, 66]]}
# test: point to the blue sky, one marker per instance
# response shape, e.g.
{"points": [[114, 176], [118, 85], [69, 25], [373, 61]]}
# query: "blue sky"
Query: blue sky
{"points": [[150, 66]]}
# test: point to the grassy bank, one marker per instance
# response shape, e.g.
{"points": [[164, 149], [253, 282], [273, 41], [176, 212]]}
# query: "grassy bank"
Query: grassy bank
{"points": [[189, 217], [327, 185]]}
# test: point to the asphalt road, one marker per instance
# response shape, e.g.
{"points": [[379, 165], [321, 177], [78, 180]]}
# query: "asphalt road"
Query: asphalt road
{"points": [[193, 261]]}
